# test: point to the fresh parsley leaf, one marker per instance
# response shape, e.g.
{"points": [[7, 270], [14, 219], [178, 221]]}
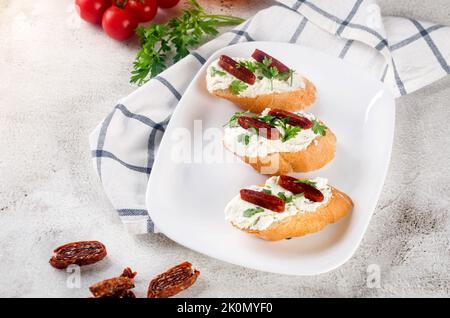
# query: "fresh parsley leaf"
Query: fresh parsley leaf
{"points": [[268, 119], [237, 87], [216, 72], [290, 199], [244, 138], [264, 69], [283, 197], [308, 182], [174, 39], [266, 191], [252, 211], [248, 64], [234, 119], [290, 132], [318, 128], [267, 61]]}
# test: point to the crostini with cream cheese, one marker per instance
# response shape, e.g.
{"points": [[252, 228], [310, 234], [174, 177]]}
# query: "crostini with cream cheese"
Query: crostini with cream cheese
{"points": [[278, 142], [259, 82], [286, 207]]}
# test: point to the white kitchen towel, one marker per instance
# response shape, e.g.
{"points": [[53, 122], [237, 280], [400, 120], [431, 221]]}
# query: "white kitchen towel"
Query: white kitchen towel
{"points": [[403, 53]]}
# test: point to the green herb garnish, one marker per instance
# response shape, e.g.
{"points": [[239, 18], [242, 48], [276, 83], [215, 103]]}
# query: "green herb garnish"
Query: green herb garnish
{"points": [[252, 211], [266, 191], [268, 119], [248, 64], [283, 197], [237, 87], [233, 122], [174, 39], [290, 199], [290, 132], [244, 138], [319, 128], [215, 71], [271, 72], [308, 182]]}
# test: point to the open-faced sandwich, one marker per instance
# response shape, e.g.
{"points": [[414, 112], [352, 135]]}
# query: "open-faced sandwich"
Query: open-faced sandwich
{"points": [[278, 142], [259, 82], [286, 207]]}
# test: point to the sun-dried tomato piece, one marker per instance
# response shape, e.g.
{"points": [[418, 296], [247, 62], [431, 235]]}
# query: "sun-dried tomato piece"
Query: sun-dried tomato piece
{"points": [[173, 281], [263, 129], [117, 287], [262, 199], [79, 253], [260, 55], [128, 272], [293, 119], [239, 71], [296, 186]]}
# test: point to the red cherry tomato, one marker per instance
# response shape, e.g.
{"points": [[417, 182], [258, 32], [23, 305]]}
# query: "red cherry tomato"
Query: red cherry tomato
{"points": [[167, 3], [145, 10], [119, 23], [92, 10]]}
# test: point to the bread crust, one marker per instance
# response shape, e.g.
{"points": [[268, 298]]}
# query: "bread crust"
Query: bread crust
{"points": [[320, 152], [290, 101], [303, 223]]}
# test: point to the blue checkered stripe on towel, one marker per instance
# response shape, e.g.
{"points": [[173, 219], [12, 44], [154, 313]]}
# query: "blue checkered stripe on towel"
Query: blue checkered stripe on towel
{"points": [[124, 144]]}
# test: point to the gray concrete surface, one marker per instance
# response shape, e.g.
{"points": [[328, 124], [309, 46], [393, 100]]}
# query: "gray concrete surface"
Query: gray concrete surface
{"points": [[59, 77]]}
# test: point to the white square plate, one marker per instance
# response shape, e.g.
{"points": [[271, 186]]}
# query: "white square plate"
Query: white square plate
{"points": [[186, 200]]}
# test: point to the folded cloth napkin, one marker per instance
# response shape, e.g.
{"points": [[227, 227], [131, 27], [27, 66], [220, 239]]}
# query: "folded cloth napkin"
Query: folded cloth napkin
{"points": [[403, 53]]}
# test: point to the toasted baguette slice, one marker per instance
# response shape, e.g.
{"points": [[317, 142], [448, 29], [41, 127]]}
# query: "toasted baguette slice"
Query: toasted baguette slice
{"points": [[315, 156], [290, 101], [304, 223]]}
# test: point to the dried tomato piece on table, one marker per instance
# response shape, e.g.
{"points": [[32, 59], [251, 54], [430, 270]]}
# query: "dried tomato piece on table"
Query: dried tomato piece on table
{"points": [[79, 253], [116, 287], [173, 281]]}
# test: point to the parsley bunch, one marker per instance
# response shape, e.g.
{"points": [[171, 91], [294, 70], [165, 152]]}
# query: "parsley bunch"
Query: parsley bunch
{"points": [[174, 38]]}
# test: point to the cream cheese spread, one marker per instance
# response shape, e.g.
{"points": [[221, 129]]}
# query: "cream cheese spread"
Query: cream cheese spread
{"points": [[262, 85]]}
